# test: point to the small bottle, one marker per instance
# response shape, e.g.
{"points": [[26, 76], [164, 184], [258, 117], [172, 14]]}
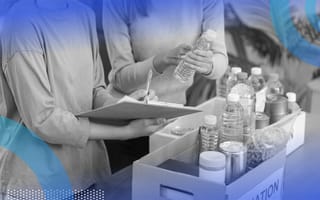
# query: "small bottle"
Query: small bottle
{"points": [[258, 83], [232, 120], [247, 101], [275, 87], [212, 166], [221, 84], [292, 102], [209, 134], [256, 79], [185, 73], [232, 80]]}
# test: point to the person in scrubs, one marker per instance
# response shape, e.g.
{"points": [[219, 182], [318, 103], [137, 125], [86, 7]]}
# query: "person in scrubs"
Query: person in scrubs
{"points": [[51, 70], [144, 35]]}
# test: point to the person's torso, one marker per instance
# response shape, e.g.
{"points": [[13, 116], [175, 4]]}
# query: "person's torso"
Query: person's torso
{"points": [[67, 44], [168, 25]]}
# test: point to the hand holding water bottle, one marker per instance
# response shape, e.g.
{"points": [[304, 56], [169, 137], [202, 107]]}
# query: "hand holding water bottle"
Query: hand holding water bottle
{"points": [[200, 60], [171, 58]]}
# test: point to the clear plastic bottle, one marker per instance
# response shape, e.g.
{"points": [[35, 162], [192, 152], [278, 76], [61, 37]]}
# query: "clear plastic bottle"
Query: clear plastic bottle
{"points": [[247, 100], [185, 73], [292, 102], [221, 84], [232, 80], [232, 121], [275, 87], [256, 79], [209, 134]]}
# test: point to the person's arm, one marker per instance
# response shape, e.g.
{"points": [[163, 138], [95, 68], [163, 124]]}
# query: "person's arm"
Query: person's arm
{"points": [[214, 19], [126, 75], [27, 78], [211, 64]]}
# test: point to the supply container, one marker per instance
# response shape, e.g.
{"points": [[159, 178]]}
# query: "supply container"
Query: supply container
{"points": [[209, 134], [247, 101], [151, 181], [232, 120], [256, 79], [292, 102], [274, 87], [212, 166], [293, 123], [232, 80], [236, 159]]}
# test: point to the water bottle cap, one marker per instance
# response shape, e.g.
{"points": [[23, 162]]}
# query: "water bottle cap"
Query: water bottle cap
{"points": [[273, 77], [292, 97], [236, 70], [233, 97], [212, 160], [210, 120], [242, 76], [210, 35], [256, 71]]}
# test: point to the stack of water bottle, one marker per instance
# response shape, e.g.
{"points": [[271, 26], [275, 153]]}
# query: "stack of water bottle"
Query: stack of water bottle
{"points": [[238, 135]]}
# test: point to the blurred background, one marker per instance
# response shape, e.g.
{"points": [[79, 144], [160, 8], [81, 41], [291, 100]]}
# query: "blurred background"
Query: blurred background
{"points": [[251, 41]]}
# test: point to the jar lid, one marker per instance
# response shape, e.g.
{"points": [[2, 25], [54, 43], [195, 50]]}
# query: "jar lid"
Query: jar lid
{"points": [[210, 120], [233, 97], [292, 97], [256, 71], [236, 70], [232, 147], [212, 160]]}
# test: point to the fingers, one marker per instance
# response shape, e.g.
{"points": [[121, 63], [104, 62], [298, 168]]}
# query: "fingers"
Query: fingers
{"points": [[139, 94], [202, 70], [199, 60], [203, 53], [151, 122]]}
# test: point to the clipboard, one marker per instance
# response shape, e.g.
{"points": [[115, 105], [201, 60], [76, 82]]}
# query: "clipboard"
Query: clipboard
{"points": [[131, 109]]}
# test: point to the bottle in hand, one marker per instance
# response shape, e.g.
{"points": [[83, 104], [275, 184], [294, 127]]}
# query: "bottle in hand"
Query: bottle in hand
{"points": [[184, 73]]}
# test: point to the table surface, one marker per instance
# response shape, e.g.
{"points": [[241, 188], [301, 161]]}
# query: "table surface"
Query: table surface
{"points": [[302, 175]]}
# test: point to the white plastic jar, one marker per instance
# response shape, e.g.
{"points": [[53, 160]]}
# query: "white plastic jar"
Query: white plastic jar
{"points": [[212, 166]]}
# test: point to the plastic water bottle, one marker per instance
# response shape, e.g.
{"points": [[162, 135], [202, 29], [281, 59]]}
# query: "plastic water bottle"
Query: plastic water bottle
{"points": [[185, 73], [256, 79], [259, 85], [247, 101], [221, 84], [209, 134], [292, 102], [275, 87], [232, 121], [232, 80]]}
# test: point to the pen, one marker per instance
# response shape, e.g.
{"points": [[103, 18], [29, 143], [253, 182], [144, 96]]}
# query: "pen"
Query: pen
{"points": [[146, 98]]}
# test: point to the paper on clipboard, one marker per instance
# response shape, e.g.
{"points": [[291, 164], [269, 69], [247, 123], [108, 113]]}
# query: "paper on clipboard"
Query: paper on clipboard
{"points": [[128, 108]]}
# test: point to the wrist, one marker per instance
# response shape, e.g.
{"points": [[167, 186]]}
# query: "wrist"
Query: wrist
{"points": [[158, 64], [128, 132]]}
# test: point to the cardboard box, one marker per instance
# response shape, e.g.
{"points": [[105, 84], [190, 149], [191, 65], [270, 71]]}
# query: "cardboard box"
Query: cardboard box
{"points": [[151, 182], [293, 123]]}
